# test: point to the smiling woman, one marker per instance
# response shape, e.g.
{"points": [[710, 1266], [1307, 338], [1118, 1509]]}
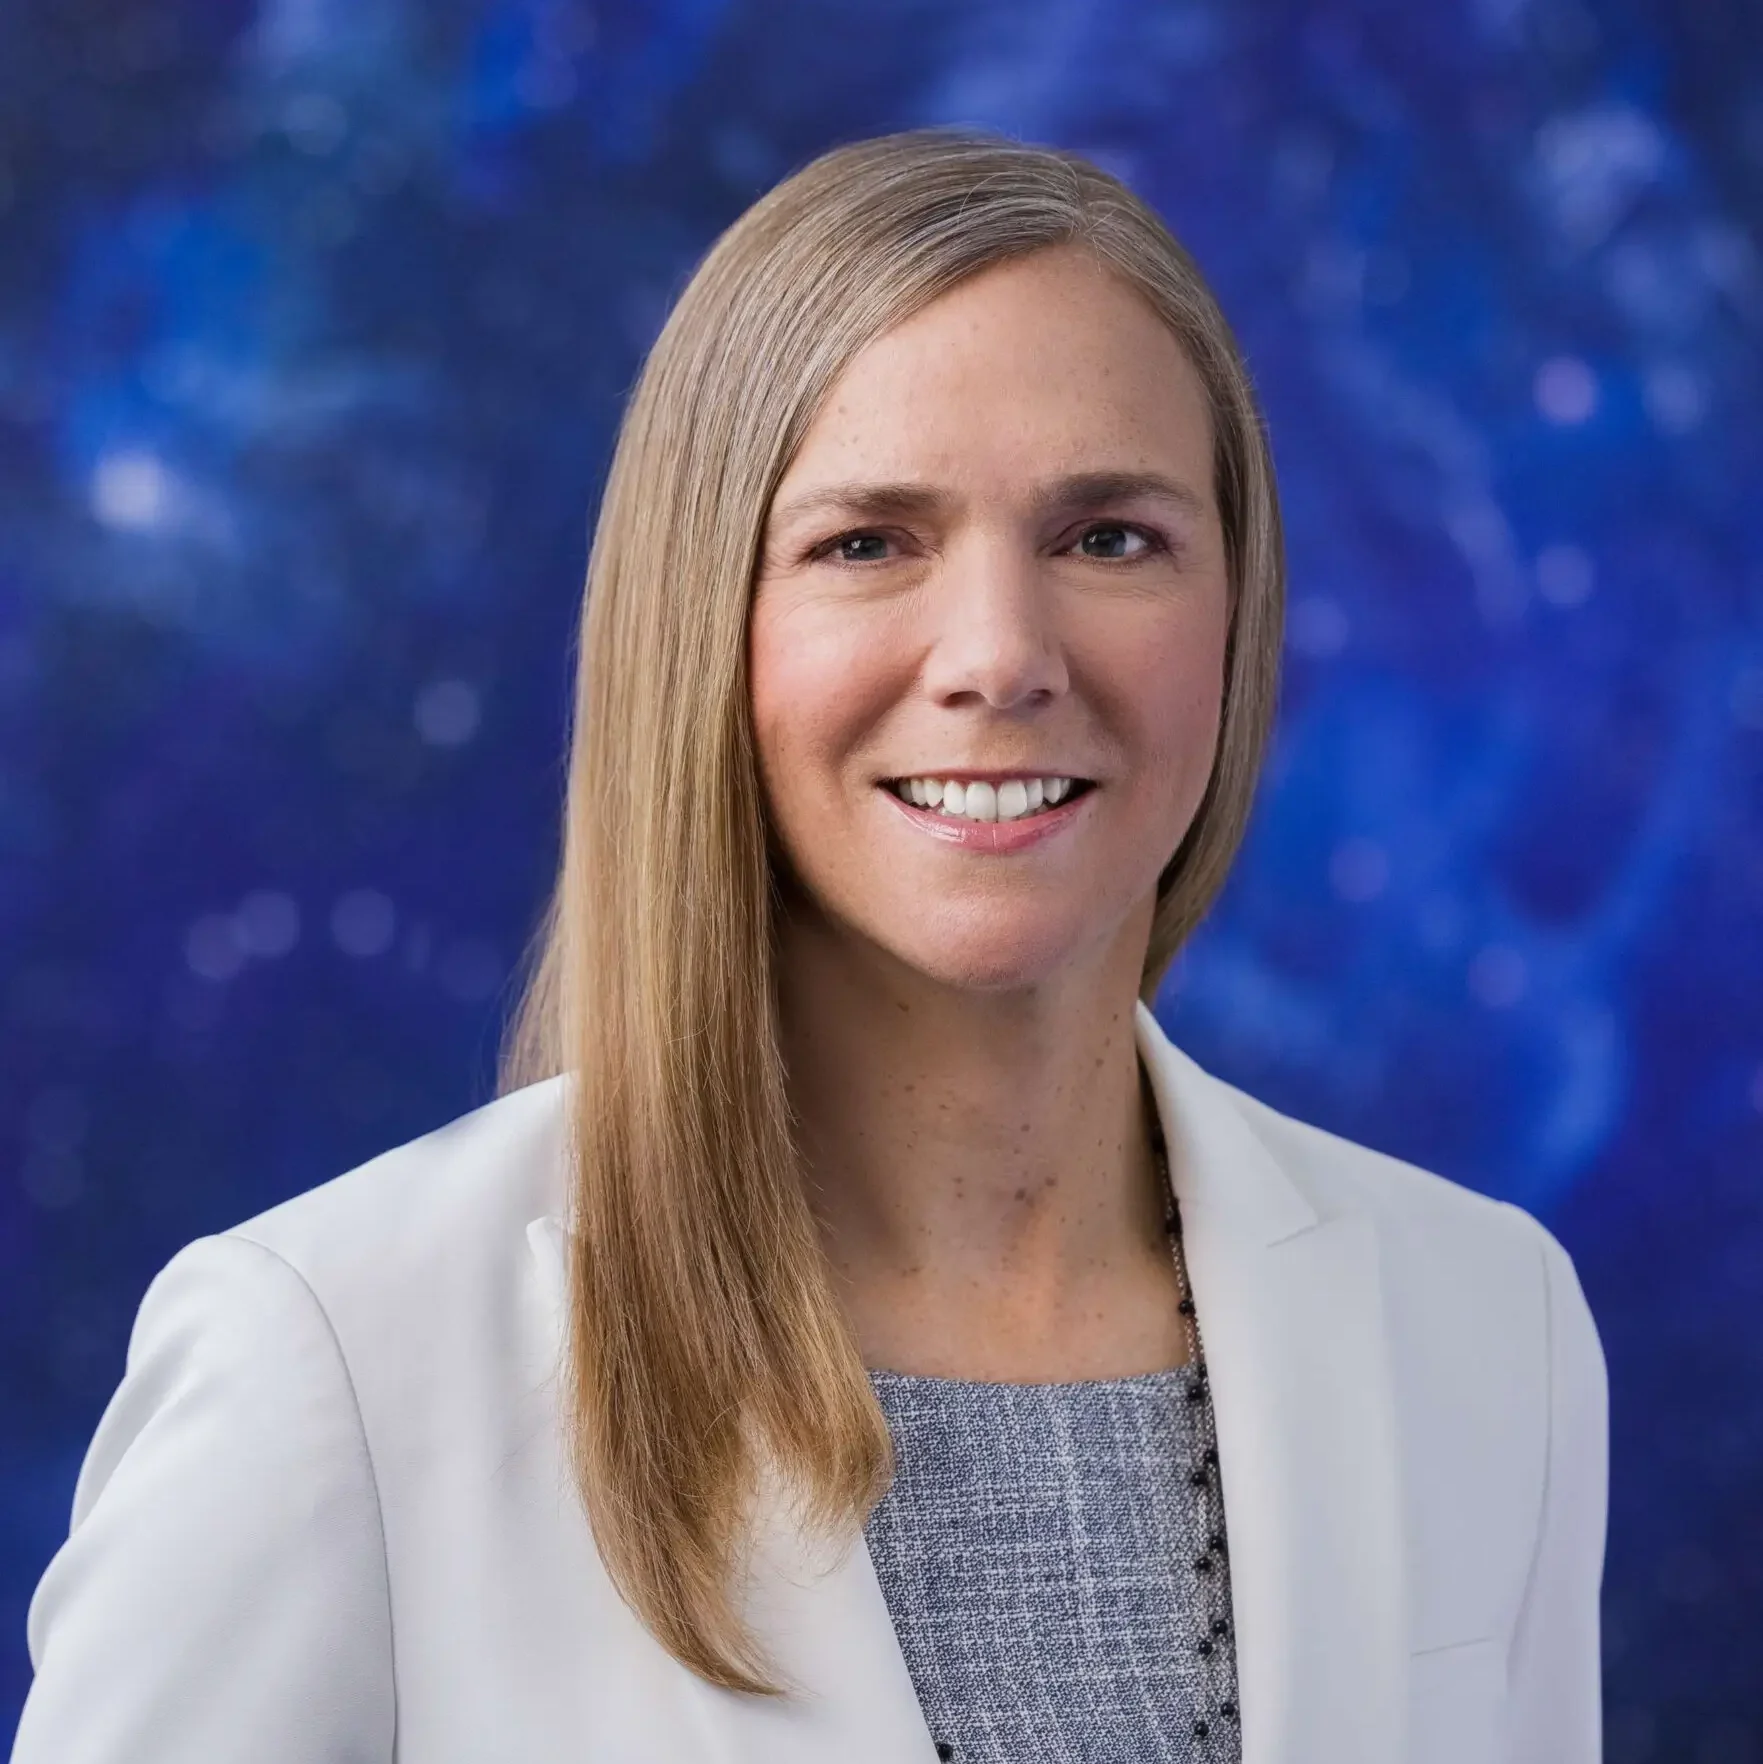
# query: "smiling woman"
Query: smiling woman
{"points": [[858, 1334]]}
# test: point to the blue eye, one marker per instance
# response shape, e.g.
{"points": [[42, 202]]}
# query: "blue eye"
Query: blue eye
{"points": [[841, 545], [858, 547]]}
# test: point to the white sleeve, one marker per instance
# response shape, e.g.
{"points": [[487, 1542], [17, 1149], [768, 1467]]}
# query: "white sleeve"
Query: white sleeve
{"points": [[1554, 1678], [222, 1594]]}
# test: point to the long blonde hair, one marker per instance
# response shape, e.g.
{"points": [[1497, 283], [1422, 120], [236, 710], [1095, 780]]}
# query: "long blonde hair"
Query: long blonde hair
{"points": [[704, 1335]]}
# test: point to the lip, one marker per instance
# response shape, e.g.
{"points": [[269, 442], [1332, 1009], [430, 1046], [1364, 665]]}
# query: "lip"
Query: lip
{"points": [[995, 778], [993, 838]]}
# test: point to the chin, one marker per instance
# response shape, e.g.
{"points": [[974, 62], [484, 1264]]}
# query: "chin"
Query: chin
{"points": [[996, 961]]}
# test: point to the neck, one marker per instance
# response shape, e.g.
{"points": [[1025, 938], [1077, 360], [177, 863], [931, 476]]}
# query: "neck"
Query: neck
{"points": [[979, 1162]]}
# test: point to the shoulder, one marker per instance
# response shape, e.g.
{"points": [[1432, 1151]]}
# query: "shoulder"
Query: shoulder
{"points": [[1338, 1176], [1342, 1175], [419, 1258], [290, 1383], [400, 1293], [1447, 1251], [433, 1209], [1498, 1365]]}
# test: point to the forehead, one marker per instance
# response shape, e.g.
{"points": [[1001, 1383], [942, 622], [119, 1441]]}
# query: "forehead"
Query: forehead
{"points": [[1043, 364]]}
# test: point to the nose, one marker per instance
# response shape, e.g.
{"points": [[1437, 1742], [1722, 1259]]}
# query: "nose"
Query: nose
{"points": [[996, 639]]}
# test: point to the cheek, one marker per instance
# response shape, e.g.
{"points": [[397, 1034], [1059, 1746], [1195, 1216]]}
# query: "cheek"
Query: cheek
{"points": [[812, 679], [783, 679], [1174, 696], [1194, 697]]}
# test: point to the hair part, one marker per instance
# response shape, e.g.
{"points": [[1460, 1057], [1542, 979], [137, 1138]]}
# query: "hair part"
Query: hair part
{"points": [[706, 1347]]}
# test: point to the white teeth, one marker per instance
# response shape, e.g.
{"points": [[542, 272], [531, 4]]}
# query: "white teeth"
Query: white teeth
{"points": [[979, 801]]}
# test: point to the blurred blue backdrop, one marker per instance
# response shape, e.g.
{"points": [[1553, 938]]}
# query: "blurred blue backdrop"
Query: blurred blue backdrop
{"points": [[315, 317]]}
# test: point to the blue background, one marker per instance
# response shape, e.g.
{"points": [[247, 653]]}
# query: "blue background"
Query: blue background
{"points": [[314, 322]]}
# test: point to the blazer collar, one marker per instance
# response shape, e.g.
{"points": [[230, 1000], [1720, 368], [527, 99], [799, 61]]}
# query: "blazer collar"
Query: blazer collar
{"points": [[1291, 1314]]}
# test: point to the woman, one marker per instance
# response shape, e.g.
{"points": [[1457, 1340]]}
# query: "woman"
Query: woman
{"points": [[800, 1361]]}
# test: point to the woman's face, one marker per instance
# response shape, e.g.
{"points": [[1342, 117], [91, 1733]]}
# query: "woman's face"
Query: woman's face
{"points": [[996, 559]]}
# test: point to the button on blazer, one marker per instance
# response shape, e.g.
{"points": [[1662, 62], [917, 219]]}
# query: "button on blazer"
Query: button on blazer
{"points": [[326, 1517]]}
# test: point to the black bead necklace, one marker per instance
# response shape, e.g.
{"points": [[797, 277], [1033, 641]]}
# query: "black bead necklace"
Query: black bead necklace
{"points": [[1215, 1639]]}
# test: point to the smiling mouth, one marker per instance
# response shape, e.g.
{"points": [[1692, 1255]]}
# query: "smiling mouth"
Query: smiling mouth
{"points": [[1016, 799]]}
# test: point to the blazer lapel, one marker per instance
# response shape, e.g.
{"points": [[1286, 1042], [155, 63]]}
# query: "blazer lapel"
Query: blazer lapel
{"points": [[1291, 1316], [824, 1620], [826, 1623]]}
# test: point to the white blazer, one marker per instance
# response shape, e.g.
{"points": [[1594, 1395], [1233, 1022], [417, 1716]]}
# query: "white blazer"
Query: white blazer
{"points": [[325, 1518]]}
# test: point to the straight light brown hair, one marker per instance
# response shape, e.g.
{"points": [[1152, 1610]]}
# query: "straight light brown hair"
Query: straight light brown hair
{"points": [[705, 1342]]}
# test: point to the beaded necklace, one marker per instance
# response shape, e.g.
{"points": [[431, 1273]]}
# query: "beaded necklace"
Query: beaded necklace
{"points": [[1216, 1636]]}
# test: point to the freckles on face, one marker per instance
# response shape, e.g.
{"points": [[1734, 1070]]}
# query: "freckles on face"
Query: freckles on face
{"points": [[822, 672], [997, 551]]}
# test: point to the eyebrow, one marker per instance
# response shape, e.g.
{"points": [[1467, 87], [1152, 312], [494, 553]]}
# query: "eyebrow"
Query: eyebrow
{"points": [[1066, 495]]}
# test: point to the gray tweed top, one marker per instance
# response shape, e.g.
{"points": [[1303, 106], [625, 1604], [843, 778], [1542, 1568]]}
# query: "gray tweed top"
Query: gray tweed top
{"points": [[1041, 1552]]}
